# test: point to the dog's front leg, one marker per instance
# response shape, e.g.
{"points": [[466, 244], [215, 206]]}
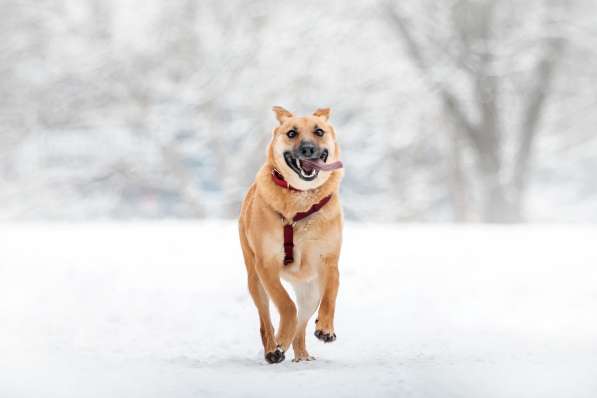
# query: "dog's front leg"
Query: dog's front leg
{"points": [[269, 274], [324, 327]]}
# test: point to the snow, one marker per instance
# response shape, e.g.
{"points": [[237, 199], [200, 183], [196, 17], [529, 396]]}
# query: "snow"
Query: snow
{"points": [[161, 310]]}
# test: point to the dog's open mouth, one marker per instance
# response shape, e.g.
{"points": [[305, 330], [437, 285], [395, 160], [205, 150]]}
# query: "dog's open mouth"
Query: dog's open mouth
{"points": [[307, 169]]}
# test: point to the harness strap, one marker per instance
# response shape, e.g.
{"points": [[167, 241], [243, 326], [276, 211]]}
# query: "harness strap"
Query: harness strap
{"points": [[288, 244]]}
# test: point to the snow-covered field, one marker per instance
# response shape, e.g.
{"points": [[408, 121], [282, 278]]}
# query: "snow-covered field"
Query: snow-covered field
{"points": [[161, 310]]}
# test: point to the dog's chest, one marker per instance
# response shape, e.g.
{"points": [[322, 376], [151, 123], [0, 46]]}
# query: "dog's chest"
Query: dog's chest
{"points": [[311, 246]]}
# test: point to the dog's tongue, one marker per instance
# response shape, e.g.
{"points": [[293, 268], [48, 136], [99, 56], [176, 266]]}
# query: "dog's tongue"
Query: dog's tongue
{"points": [[321, 165]]}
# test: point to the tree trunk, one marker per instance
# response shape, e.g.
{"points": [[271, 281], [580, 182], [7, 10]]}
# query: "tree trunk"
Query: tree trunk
{"points": [[497, 206]]}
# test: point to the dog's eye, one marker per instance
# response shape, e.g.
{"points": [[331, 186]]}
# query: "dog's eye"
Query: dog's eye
{"points": [[291, 134], [319, 132]]}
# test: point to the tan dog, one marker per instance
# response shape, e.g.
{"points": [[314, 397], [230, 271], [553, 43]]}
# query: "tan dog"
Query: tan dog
{"points": [[291, 228]]}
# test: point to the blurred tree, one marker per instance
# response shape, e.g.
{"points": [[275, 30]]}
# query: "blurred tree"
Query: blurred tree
{"points": [[463, 50]]}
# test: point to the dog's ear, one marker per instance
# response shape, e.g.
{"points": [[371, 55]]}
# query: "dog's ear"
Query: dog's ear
{"points": [[323, 113], [281, 114]]}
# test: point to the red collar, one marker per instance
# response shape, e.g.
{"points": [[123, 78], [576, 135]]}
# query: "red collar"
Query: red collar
{"points": [[279, 180]]}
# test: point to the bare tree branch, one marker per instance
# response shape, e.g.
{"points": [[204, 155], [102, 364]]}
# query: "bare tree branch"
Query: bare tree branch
{"points": [[449, 100], [533, 110]]}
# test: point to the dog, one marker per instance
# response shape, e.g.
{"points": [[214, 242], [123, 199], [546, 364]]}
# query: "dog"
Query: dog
{"points": [[290, 229]]}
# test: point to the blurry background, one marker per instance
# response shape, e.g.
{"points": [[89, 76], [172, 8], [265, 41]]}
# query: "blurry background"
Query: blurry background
{"points": [[452, 110]]}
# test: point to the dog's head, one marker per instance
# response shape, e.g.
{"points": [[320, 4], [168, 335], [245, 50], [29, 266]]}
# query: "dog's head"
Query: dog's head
{"points": [[298, 142]]}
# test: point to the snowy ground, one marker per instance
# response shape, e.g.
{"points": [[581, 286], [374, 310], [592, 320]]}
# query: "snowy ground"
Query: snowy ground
{"points": [[161, 310]]}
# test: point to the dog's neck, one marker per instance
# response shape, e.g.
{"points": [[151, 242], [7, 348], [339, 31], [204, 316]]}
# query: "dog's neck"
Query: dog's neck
{"points": [[289, 202]]}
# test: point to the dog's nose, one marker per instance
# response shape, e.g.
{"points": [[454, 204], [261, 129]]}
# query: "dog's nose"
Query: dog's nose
{"points": [[307, 149]]}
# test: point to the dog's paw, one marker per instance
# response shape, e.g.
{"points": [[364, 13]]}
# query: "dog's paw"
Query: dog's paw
{"points": [[275, 356], [325, 336], [303, 358]]}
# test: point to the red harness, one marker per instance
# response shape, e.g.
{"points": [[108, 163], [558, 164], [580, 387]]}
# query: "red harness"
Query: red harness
{"points": [[289, 227]]}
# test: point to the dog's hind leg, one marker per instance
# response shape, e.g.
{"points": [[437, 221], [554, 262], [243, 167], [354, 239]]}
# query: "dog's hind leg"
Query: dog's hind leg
{"points": [[307, 297], [324, 329]]}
